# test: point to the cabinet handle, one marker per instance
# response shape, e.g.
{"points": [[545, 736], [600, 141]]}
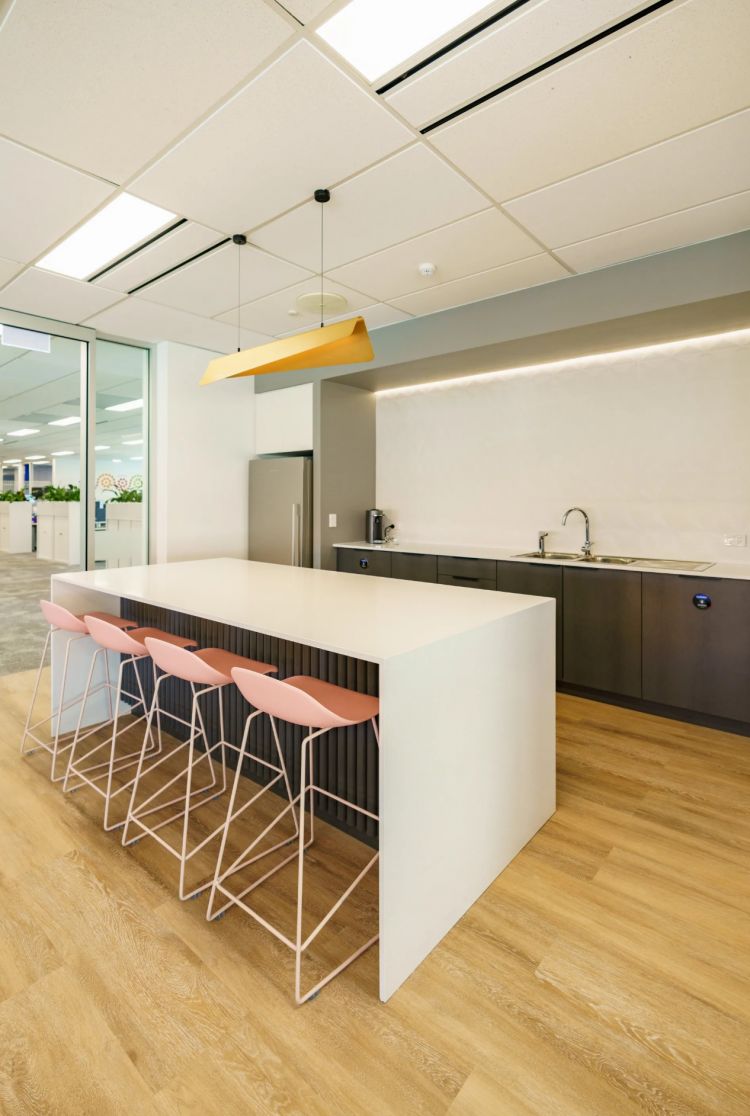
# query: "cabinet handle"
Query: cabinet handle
{"points": [[464, 577]]}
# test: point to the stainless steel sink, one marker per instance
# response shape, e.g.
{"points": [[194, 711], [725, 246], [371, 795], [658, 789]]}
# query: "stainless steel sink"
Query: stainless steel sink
{"points": [[609, 560], [552, 555]]}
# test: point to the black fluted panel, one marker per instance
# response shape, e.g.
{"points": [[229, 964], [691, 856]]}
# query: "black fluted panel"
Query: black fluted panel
{"points": [[346, 759]]}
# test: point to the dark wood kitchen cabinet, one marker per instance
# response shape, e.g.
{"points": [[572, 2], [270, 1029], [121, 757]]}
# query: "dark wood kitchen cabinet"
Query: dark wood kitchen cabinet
{"points": [[414, 567], [473, 573], [537, 581], [376, 563], [696, 644], [602, 630]]}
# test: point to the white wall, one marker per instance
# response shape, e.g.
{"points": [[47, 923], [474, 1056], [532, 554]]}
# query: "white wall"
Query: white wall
{"points": [[655, 446], [202, 440]]}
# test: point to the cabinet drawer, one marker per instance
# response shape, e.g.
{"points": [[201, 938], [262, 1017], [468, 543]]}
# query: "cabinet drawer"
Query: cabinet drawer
{"points": [[377, 563], [468, 582], [466, 570], [414, 567], [697, 658]]}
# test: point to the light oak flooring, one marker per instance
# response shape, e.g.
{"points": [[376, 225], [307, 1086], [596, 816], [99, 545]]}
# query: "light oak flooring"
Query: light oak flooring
{"points": [[605, 973]]}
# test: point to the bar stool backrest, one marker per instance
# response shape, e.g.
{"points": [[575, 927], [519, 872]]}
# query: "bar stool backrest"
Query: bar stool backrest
{"points": [[114, 639], [59, 617], [269, 695], [183, 664]]}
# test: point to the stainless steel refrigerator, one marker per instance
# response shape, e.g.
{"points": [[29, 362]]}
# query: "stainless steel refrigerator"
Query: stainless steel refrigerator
{"points": [[281, 510]]}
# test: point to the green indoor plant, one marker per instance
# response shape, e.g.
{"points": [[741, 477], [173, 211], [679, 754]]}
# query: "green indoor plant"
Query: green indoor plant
{"points": [[71, 494], [128, 496], [13, 497]]}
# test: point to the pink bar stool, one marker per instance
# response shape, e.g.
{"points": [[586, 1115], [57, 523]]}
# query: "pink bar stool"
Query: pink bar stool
{"points": [[210, 669], [131, 647], [319, 707], [60, 619]]}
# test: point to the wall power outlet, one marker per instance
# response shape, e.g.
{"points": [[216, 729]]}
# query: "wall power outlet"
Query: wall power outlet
{"points": [[735, 540]]}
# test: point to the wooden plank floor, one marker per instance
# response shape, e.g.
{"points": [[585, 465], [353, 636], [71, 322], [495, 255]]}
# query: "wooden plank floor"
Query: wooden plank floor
{"points": [[604, 973]]}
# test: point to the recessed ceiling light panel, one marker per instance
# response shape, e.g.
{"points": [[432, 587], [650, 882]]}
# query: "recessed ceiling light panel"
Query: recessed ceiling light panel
{"points": [[131, 405], [62, 453], [24, 432], [375, 36], [121, 225], [71, 420]]}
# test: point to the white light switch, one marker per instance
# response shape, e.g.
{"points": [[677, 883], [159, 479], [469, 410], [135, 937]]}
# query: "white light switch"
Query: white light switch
{"points": [[735, 540], [332, 521]]}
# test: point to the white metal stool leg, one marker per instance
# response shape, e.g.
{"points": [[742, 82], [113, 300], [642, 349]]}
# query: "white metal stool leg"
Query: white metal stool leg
{"points": [[60, 742], [244, 860], [91, 774], [189, 800], [300, 945]]}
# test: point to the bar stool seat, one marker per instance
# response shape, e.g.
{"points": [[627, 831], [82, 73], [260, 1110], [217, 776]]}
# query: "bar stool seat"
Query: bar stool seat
{"points": [[347, 704], [206, 671], [319, 707], [60, 619], [130, 645]]}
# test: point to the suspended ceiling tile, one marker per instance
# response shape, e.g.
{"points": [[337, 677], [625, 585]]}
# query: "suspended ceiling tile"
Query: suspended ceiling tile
{"points": [[272, 313], [41, 200], [401, 197], [56, 296], [476, 243], [166, 252], [146, 321], [511, 47], [689, 226], [682, 67], [307, 10], [106, 87], [376, 316], [700, 166], [209, 285], [299, 125], [8, 268], [499, 280]]}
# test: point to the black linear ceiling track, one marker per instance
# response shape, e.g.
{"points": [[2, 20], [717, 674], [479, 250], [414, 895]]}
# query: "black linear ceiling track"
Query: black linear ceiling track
{"points": [[182, 263], [139, 248], [546, 65], [480, 27]]}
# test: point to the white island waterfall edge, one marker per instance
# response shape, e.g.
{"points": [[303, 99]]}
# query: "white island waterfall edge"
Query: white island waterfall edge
{"points": [[467, 720]]}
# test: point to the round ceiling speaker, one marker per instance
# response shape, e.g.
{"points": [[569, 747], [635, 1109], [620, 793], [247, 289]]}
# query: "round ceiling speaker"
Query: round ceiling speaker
{"points": [[311, 303]]}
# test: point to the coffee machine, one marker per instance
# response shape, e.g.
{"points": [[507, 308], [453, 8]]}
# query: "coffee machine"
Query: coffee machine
{"points": [[376, 531]]}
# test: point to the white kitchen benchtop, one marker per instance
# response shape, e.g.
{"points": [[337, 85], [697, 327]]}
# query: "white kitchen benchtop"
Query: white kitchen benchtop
{"points": [[736, 570], [366, 617]]}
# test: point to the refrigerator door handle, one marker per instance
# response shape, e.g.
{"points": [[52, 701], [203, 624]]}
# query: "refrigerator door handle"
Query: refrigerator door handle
{"points": [[296, 552]]}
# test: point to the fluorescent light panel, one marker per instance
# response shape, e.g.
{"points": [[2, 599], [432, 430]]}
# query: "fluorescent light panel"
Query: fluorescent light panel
{"points": [[102, 447], [123, 223], [62, 453], [12, 461], [23, 433], [133, 405], [71, 420], [35, 457], [17, 338], [133, 442], [375, 36], [569, 362]]}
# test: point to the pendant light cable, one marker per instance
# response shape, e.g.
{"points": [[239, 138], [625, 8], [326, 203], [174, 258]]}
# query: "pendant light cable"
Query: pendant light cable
{"points": [[321, 196], [239, 239]]}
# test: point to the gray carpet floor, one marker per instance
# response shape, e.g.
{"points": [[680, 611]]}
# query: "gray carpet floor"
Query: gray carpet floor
{"points": [[24, 579]]}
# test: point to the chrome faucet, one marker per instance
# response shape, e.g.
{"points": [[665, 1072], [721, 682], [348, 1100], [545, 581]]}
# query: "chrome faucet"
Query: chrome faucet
{"points": [[542, 537], [586, 548]]}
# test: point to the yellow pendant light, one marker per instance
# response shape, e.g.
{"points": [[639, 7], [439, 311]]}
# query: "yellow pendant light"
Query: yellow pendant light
{"points": [[346, 342]]}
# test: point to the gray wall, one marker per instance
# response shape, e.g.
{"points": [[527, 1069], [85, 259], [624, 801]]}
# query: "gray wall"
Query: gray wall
{"points": [[711, 270], [344, 466]]}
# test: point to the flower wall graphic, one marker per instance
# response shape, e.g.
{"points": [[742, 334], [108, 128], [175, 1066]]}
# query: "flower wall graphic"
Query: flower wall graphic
{"points": [[109, 486]]}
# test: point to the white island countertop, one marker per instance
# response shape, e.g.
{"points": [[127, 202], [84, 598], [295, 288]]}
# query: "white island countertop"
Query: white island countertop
{"points": [[737, 570], [369, 618]]}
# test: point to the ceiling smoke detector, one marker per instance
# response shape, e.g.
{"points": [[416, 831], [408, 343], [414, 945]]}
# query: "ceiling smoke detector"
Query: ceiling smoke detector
{"points": [[331, 303], [427, 270]]}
